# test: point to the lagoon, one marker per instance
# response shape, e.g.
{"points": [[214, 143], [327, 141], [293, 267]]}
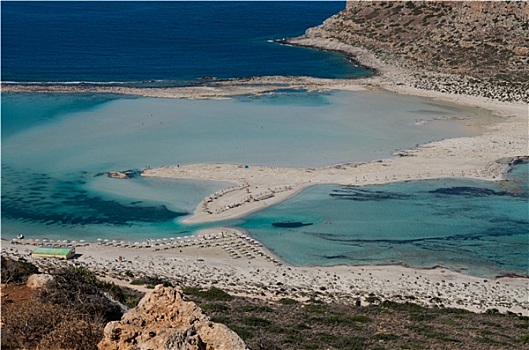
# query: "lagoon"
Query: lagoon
{"points": [[56, 149]]}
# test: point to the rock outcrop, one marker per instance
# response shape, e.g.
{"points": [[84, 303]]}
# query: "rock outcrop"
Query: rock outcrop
{"points": [[163, 320], [37, 281]]}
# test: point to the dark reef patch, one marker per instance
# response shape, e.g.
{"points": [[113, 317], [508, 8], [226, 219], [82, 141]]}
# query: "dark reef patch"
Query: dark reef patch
{"points": [[60, 202], [293, 224], [469, 191], [357, 194]]}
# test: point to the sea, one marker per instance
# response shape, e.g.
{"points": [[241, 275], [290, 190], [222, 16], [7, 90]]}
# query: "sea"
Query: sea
{"points": [[56, 149]]}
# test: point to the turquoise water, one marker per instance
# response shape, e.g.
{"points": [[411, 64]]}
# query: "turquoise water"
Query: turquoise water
{"points": [[56, 148], [316, 129], [477, 227]]}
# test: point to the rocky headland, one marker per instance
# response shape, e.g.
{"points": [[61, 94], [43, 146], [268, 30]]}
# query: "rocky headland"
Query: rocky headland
{"points": [[474, 48]]}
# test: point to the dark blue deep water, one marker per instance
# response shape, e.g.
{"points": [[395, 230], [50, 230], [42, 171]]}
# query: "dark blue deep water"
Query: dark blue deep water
{"points": [[166, 42]]}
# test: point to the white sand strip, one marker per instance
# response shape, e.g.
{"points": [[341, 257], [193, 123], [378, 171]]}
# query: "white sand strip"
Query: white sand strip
{"points": [[257, 276]]}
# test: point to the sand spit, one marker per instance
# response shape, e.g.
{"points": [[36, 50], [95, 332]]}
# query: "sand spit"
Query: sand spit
{"points": [[210, 90], [478, 157], [240, 265]]}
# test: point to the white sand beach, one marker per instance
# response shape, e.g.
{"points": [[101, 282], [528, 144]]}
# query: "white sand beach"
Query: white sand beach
{"points": [[236, 263]]}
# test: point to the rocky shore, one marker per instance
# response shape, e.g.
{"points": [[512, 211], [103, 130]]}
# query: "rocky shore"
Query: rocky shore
{"points": [[472, 48]]}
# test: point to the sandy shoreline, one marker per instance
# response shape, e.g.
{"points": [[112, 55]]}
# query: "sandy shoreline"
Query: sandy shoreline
{"points": [[242, 267], [478, 157]]}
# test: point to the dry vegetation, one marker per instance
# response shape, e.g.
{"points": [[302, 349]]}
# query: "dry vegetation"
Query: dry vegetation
{"points": [[287, 324], [480, 39], [70, 312]]}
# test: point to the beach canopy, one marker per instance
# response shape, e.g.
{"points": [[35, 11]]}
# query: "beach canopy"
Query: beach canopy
{"points": [[54, 252]]}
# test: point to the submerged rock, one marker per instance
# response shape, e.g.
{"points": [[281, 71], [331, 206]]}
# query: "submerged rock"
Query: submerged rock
{"points": [[163, 320]]}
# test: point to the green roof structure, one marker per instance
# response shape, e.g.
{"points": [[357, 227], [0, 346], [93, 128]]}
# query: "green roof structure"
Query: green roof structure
{"points": [[54, 252]]}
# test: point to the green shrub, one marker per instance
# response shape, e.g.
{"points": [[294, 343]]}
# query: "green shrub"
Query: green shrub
{"points": [[243, 332], [386, 336], [77, 289], [316, 308], [254, 308], [373, 299], [341, 320], [214, 307], [213, 293], [524, 339], [256, 321], [287, 301]]}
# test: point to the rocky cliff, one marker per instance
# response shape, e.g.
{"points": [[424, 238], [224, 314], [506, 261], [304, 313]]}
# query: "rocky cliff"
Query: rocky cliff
{"points": [[163, 320], [485, 42]]}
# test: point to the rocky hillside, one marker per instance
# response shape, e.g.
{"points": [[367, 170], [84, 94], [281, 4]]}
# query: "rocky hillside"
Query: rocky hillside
{"points": [[483, 41], [72, 309]]}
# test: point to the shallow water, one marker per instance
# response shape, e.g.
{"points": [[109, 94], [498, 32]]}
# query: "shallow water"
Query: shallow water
{"points": [[315, 129], [55, 147], [473, 226]]}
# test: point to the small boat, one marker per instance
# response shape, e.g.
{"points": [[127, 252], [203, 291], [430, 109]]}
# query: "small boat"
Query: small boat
{"points": [[20, 236]]}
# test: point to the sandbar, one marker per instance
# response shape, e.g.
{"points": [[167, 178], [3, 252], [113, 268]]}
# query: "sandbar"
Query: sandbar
{"points": [[483, 157]]}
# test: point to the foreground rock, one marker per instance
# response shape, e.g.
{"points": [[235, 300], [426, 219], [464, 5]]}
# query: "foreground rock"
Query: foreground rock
{"points": [[37, 281], [163, 320]]}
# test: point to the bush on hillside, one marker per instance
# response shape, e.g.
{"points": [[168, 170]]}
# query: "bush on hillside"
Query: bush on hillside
{"points": [[77, 290], [16, 271]]}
